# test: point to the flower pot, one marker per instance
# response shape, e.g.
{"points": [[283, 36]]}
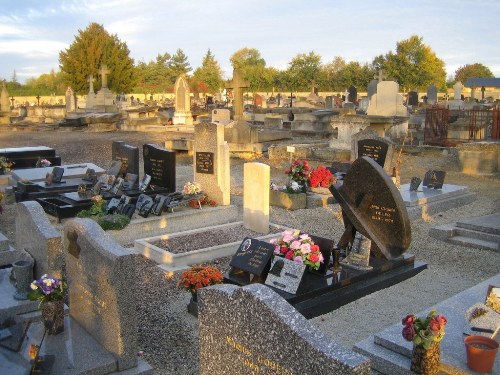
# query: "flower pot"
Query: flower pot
{"points": [[321, 190], [481, 352], [426, 361], [193, 304], [287, 201], [53, 316], [23, 272]]}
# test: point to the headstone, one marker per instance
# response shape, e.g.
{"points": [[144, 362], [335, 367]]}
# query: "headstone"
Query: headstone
{"points": [[415, 183], [70, 100], [387, 101], [104, 99], [256, 184], [102, 285], [434, 179], [432, 92], [368, 143], [353, 94], [413, 98], [160, 165], [238, 84], [36, 235], [4, 99], [372, 87], [182, 114], [128, 155], [329, 102], [234, 339], [457, 90], [252, 256], [211, 162], [221, 115]]}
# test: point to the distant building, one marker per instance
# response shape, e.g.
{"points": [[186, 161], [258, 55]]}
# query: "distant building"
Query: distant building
{"points": [[484, 87]]}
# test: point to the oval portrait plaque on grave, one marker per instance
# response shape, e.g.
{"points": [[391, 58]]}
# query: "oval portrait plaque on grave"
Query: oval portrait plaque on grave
{"points": [[373, 206]]}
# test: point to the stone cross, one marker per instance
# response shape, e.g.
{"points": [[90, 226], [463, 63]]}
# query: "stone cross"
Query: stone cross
{"points": [[91, 84], [103, 71], [380, 76], [238, 84]]}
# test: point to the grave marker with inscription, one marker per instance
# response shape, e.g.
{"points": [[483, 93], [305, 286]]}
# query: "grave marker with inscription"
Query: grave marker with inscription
{"points": [[211, 162], [236, 338], [252, 256], [128, 155], [160, 165], [368, 143], [101, 279], [434, 179]]}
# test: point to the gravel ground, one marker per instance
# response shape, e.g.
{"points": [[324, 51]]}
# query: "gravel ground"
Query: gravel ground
{"points": [[167, 334]]}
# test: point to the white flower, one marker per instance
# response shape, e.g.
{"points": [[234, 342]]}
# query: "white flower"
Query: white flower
{"points": [[33, 286]]}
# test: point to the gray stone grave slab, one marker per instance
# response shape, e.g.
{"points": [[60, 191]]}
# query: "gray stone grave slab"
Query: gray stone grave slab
{"points": [[429, 201], [253, 330], [70, 171], [390, 353], [486, 224], [101, 279]]}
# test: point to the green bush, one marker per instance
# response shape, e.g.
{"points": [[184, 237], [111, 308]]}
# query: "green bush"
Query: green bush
{"points": [[112, 222]]}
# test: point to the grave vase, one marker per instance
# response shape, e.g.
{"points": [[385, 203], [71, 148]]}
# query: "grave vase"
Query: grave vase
{"points": [[53, 316], [23, 272], [426, 361], [193, 304]]}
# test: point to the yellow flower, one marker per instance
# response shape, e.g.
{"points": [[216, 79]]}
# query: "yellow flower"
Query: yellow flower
{"points": [[33, 286]]}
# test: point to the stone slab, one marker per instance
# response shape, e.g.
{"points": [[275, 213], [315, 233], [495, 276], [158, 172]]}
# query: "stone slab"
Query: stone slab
{"points": [[8, 256], [487, 224], [4, 243], [8, 305], [427, 201], [314, 200], [169, 261], [453, 356], [70, 171], [184, 218], [75, 351]]}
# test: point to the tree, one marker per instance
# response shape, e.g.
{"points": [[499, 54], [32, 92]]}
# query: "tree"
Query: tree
{"points": [[155, 76], [476, 70], [179, 64], [208, 77], [414, 65], [252, 66], [303, 69], [92, 48]]}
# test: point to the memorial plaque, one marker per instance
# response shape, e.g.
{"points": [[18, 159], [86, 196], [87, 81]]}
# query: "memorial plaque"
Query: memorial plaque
{"points": [[374, 149], [146, 206], [160, 165], [252, 256], [434, 179], [285, 274], [124, 200], [205, 162], [128, 155], [130, 181], [158, 204], [415, 183], [145, 182], [117, 185], [372, 205], [112, 205], [114, 169]]}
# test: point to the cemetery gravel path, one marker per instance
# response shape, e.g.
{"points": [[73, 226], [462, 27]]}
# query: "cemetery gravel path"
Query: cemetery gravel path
{"points": [[167, 334]]}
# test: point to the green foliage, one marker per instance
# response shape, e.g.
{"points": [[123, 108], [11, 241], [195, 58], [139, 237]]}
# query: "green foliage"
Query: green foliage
{"points": [[155, 76], [303, 69], [476, 70], [92, 48], [113, 222], [339, 75], [414, 65], [179, 64], [252, 67], [208, 77]]}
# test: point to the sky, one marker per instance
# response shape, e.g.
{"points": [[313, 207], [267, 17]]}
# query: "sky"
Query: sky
{"points": [[33, 32]]}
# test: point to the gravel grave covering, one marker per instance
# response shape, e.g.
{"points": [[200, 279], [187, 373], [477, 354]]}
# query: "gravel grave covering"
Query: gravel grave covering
{"points": [[195, 241]]}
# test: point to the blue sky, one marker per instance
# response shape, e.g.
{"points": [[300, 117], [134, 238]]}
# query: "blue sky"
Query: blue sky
{"points": [[32, 33]]}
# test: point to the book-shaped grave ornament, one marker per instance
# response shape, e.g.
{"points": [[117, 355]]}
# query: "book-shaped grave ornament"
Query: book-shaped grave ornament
{"points": [[434, 179], [372, 205], [285, 274], [251, 262]]}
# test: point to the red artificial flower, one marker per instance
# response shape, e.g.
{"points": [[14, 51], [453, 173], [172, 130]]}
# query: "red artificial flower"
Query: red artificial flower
{"points": [[289, 255], [409, 319], [283, 249], [314, 257]]}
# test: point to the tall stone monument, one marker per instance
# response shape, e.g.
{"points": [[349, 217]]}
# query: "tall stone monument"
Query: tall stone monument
{"points": [[91, 94], [237, 85], [387, 101], [211, 162], [4, 99], [182, 114], [70, 100], [104, 99], [457, 102]]}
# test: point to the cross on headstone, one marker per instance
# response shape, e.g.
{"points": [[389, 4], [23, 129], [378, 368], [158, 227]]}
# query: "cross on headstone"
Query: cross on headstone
{"points": [[380, 76], [38, 100], [103, 71], [237, 85], [91, 83]]}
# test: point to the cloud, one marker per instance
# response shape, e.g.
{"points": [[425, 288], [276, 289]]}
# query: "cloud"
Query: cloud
{"points": [[32, 48]]}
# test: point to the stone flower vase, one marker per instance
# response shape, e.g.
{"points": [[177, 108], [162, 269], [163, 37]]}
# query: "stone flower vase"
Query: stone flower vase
{"points": [[193, 304], [53, 316], [481, 352], [23, 272], [426, 361]]}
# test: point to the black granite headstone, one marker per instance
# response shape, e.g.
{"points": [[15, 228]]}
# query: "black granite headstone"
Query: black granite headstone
{"points": [[160, 165], [252, 256], [128, 155], [57, 173], [434, 179], [413, 98], [415, 183], [373, 148], [373, 206], [353, 94]]}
